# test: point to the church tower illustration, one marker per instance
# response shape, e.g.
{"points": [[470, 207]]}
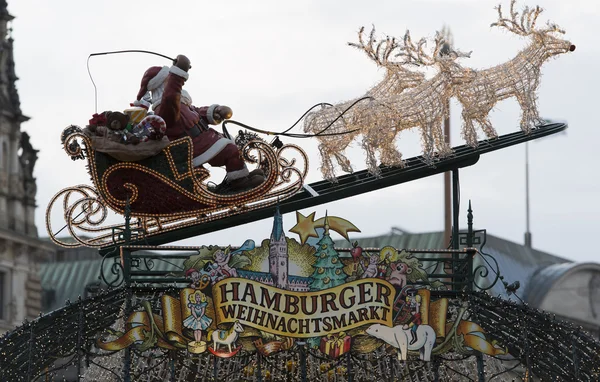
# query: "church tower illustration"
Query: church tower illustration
{"points": [[278, 253]]}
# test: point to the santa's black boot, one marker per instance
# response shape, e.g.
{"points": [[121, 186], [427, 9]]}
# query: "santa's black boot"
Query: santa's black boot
{"points": [[246, 183], [257, 171], [238, 185]]}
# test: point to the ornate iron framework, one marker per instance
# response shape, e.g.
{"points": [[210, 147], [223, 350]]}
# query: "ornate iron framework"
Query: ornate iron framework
{"points": [[538, 344]]}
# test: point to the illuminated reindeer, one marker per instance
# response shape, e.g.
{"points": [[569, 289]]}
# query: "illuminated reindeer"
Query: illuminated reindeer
{"points": [[518, 77], [424, 106], [397, 78]]}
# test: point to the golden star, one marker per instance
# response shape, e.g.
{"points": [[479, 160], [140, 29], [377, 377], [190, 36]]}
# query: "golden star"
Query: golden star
{"points": [[305, 227]]}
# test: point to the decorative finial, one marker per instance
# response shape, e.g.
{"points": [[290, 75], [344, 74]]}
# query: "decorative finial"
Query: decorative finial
{"points": [[326, 224]]}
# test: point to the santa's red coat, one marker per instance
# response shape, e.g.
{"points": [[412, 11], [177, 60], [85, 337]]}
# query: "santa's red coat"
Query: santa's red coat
{"points": [[180, 117]]}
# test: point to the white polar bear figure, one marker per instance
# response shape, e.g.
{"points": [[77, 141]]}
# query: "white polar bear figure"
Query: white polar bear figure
{"points": [[398, 338]]}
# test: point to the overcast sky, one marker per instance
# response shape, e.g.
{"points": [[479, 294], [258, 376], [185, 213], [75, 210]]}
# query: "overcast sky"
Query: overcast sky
{"points": [[271, 60]]}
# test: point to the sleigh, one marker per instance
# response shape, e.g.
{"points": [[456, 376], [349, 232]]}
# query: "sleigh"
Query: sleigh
{"points": [[164, 191]]}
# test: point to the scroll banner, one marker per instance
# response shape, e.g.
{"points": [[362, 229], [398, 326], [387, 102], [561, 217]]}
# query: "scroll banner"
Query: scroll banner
{"points": [[303, 314], [148, 329], [474, 337]]}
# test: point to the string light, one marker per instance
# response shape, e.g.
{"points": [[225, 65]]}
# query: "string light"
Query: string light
{"points": [[405, 100]]}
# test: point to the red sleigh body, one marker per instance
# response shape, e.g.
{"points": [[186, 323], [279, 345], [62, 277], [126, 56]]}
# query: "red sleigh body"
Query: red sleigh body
{"points": [[165, 189]]}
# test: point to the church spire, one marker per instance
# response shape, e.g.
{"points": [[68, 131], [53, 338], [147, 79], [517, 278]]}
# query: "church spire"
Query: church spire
{"points": [[5, 18], [277, 225], [9, 97]]}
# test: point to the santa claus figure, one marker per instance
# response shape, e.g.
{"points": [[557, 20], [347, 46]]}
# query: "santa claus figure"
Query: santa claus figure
{"points": [[162, 88]]}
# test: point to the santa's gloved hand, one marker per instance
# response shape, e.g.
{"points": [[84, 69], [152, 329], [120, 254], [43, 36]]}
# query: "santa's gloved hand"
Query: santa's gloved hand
{"points": [[222, 112], [182, 62]]}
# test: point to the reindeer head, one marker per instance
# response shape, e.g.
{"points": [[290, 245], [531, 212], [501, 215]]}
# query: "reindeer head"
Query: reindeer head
{"points": [[524, 24], [380, 51], [443, 57]]}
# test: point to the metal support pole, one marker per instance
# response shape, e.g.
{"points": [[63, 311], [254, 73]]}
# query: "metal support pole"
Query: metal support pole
{"points": [[480, 367], [527, 231], [215, 365], [172, 365], [126, 262], [455, 208], [455, 215], [259, 377], [470, 254], [302, 352], [447, 188], [349, 367], [436, 369], [79, 339]]}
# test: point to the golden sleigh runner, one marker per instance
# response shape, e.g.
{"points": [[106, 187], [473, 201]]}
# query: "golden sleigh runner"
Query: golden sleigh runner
{"points": [[164, 192]]}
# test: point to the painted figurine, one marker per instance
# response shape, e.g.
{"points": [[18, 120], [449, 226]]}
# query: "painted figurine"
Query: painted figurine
{"points": [[371, 270], [414, 302], [220, 269], [198, 321], [162, 88], [382, 267], [195, 277]]}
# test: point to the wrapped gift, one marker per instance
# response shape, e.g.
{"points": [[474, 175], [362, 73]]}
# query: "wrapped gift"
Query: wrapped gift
{"points": [[334, 345], [136, 114]]}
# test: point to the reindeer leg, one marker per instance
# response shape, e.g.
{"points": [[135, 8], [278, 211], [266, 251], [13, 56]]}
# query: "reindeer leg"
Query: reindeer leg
{"points": [[443, 147], [487, 127], [427, 143], [343, 162], [327, 164], [390, 156], [469, 133], [528, 110], [374, 170]]}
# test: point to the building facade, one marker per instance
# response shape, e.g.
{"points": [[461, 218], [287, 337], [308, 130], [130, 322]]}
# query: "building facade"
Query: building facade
{"points": [[21, 251]]}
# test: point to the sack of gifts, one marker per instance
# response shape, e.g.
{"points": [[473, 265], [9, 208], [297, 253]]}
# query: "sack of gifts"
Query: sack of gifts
{"points": [[334, 345]]}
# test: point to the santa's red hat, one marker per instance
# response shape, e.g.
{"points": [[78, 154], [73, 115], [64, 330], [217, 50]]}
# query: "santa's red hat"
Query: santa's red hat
{"points": [[152, 80]]}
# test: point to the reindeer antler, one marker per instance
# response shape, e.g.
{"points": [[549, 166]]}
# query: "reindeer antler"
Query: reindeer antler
{"points": [[415, 54], [379, 53], [526, 25], [511, 24]]}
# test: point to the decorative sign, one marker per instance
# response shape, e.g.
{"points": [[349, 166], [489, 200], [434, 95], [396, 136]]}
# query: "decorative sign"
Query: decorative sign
{"points": [[266, 298]]}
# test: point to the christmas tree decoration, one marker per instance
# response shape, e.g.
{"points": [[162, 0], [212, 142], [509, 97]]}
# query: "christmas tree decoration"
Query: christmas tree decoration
{"points": [[329, 270]]}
